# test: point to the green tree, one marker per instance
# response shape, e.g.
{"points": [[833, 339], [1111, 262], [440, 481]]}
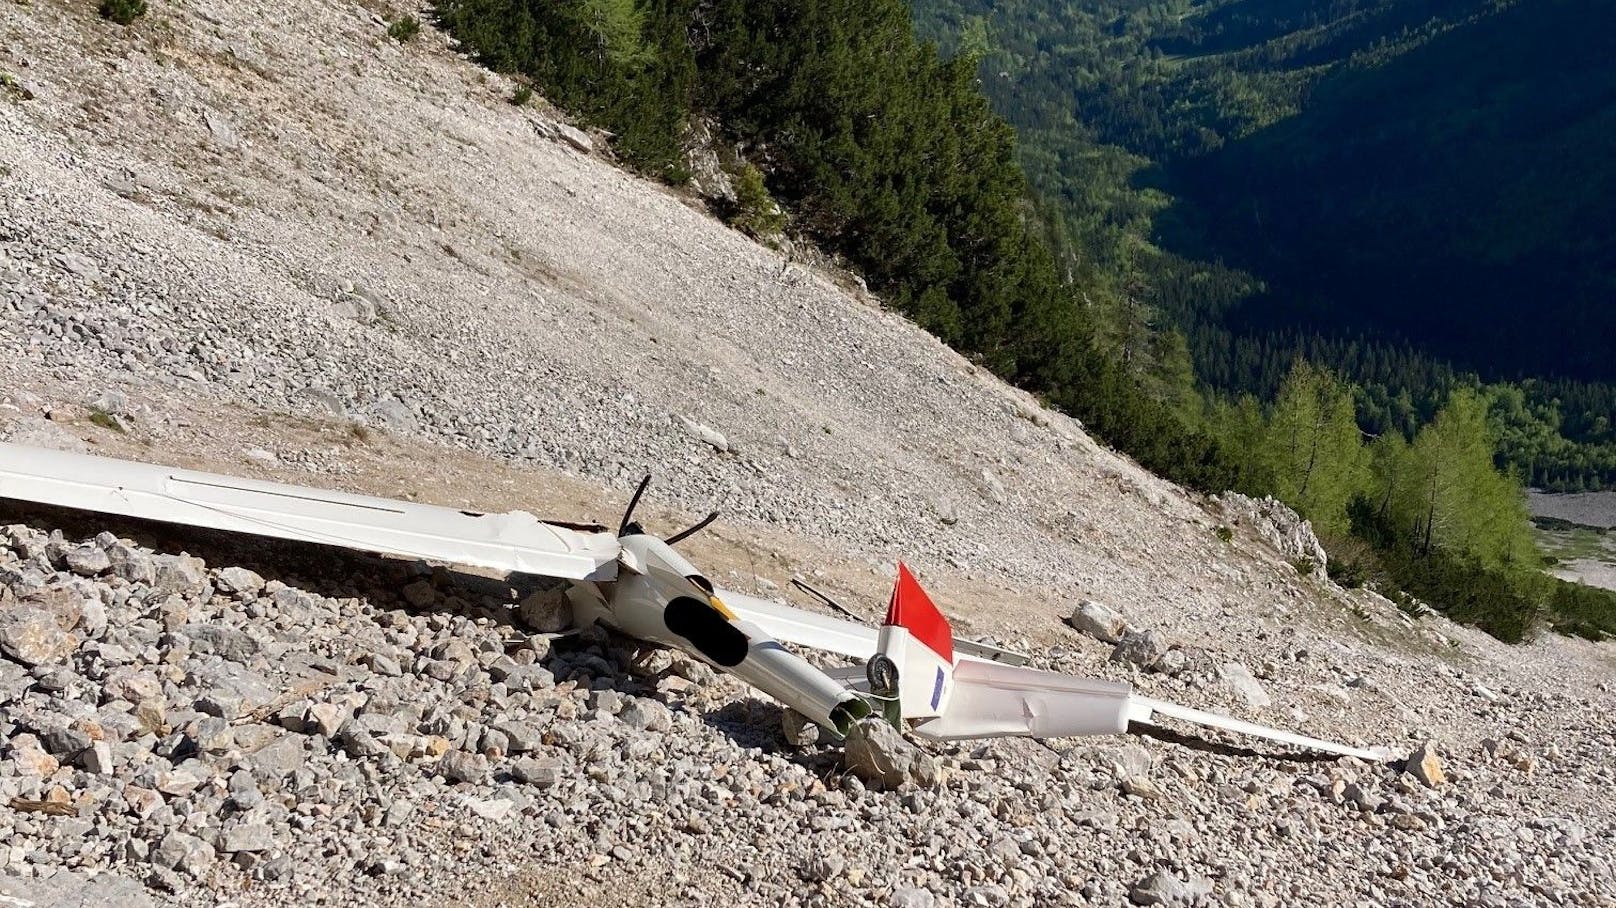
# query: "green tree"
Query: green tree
{"points": [[1456, 499], [1313, 449]]}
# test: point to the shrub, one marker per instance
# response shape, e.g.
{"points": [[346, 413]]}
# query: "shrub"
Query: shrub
{"points": [[522, 95], [105, 420], [755, 210], [1223, 533], [1349, 573], [123, 12], [403, 30]]}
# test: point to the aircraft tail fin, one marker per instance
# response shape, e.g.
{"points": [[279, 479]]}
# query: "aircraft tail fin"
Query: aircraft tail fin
{"points": [[914, 660]]}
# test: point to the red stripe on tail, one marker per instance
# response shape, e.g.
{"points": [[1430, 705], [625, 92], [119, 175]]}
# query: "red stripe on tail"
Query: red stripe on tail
{"points": [[911, 608]]}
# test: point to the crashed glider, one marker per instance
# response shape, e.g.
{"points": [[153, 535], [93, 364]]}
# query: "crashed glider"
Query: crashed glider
{"points": [[915, 672]]}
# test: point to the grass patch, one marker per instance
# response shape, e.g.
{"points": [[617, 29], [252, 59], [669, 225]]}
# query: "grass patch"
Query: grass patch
{"points": [[122, 12], [1593, 543], [106, 420], [1224, 533], [404, 29]]}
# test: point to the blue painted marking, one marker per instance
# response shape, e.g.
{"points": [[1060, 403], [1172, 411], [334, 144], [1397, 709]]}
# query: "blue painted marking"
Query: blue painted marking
{"points": [[937, 690]]}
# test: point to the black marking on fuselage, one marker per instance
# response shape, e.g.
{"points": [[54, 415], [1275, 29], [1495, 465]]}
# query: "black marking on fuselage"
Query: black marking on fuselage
{"points": [[707, 630]]}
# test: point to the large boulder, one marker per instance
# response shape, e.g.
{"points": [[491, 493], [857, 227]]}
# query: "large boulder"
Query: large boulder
{"points": [[1097, 621], [877, 753]]}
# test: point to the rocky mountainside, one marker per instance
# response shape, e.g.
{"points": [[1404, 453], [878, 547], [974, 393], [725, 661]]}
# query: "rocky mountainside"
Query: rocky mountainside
{"points": [[272, 241]]}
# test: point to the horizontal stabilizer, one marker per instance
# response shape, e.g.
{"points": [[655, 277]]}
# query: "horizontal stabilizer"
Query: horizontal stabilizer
{"points": [[514, 541], [1143, 709], [993, 700]]}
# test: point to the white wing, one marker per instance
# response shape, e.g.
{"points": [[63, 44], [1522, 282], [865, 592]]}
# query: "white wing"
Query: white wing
{"points": [[793, 625], [515, 541], [836, 635]]}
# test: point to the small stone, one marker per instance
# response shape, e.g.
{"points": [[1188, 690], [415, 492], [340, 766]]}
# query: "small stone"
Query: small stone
{"points": [[219, 128], [1141, 649], [1240, 680], [132, 564], [1425, 765], [232, 643], [536, 771], [223, 704], [1407, 822], [185, 853], [33, 636], [88, 560], [546, 611], [1163, 888], [1098, 621], [30, 759], [520, 736], [238, 581], [133, 685], [494, 809], [143, 802], [1141, 787], [327, 718], [605, 700], [398, 813], [66, 741], [575, 137], [384, 665], [823, 867], [646, 715], [1173, 662], [179, 575], [1362, 798], [248, 837], [459, 766], [420, 594], [878, 754], [911, 897], [799, 730], [97, 759], [276, 760]]}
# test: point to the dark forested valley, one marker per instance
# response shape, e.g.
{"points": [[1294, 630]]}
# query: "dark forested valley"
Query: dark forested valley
{"points": [[1419, 194]]}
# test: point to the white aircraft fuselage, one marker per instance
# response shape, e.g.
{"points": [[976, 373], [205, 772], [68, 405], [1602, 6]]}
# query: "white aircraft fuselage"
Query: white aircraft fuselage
{"points": [[660, 597]]}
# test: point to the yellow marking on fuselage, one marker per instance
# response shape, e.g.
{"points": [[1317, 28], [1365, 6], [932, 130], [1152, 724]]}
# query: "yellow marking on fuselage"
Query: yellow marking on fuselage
{"points": [[722, 608]]}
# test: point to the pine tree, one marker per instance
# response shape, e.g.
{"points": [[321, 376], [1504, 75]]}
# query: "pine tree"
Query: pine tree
{"points": [[1457, 500], [1313, 449]]}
